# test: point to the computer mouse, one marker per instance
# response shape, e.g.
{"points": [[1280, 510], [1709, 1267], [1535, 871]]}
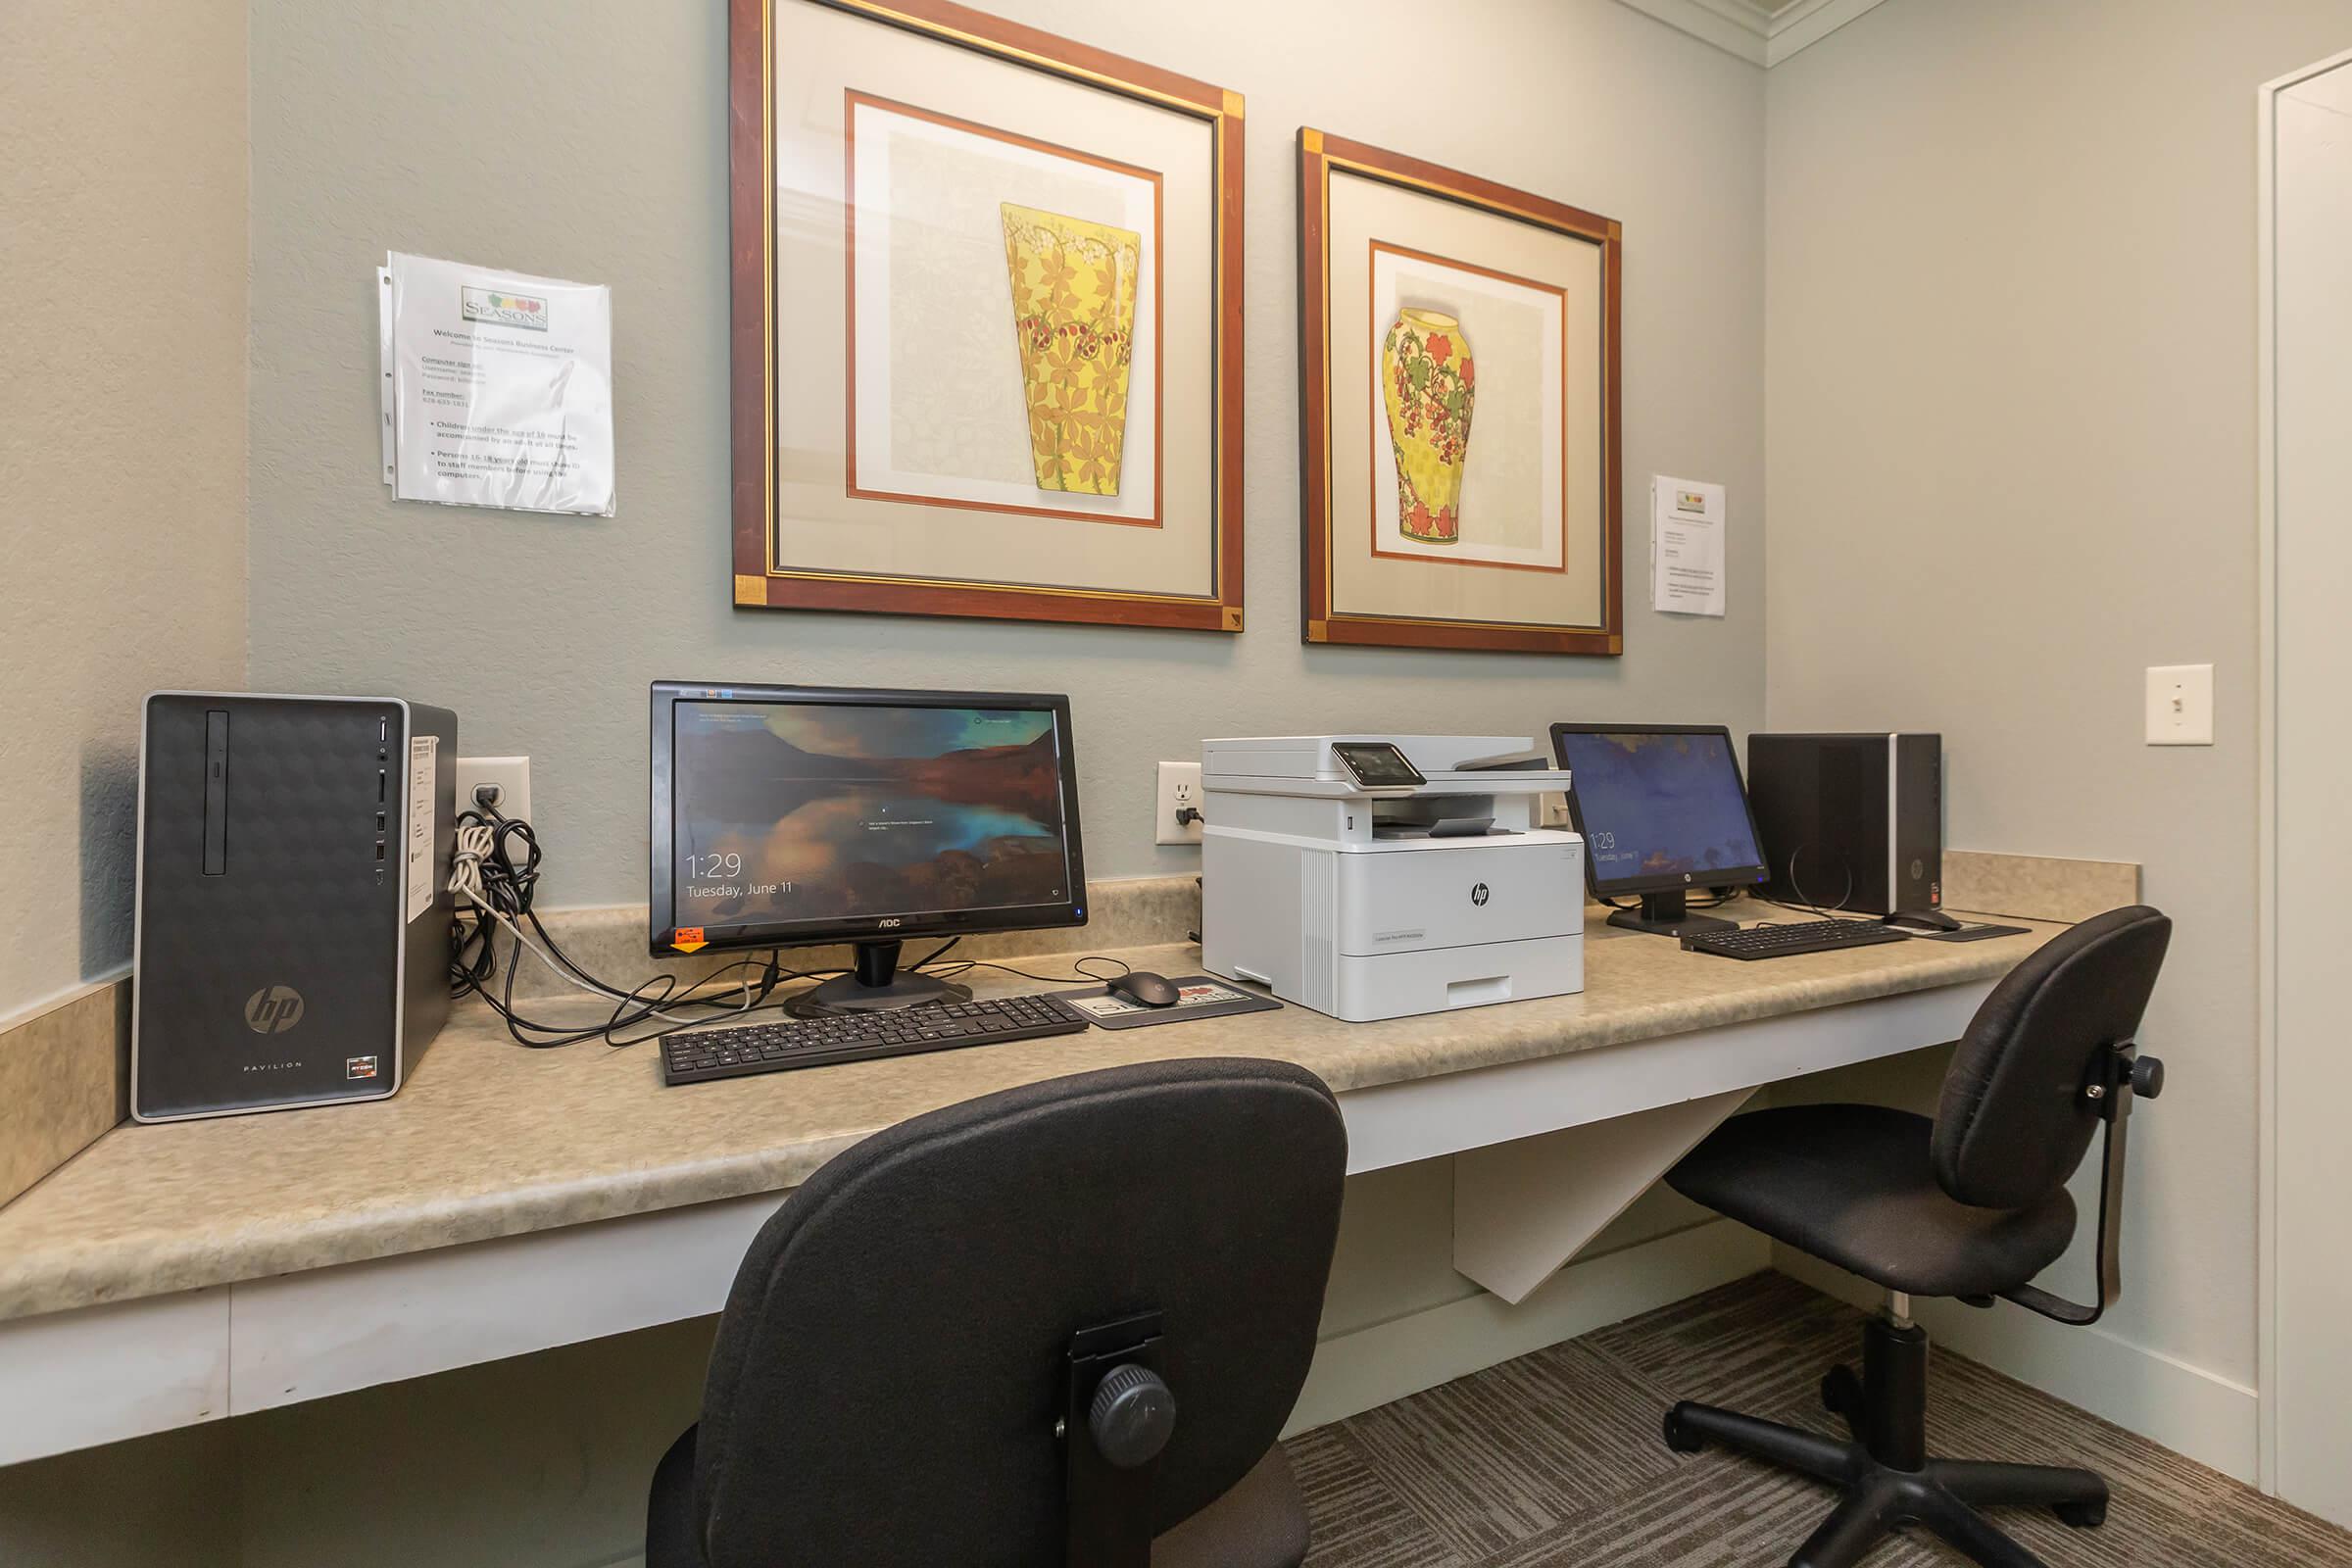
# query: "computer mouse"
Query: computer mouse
{"points": [[1143, 986], [1922, 920]]}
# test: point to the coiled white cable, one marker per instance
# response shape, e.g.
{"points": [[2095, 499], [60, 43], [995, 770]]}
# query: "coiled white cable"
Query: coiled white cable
{"points": [[474, 845]]}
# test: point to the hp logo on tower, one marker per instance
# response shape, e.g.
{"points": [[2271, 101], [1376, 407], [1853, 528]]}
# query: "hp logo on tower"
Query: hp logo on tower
{"points": [[1478, 894], [273, 1009]]}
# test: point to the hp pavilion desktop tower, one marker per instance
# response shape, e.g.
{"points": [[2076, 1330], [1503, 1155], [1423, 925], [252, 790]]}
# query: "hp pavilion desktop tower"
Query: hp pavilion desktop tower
{"points": [[293, 918], [1850, 821]]}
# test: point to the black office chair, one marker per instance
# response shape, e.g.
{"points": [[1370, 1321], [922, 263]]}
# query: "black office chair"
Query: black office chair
{"points": [[1062, 1324], [1973, 1205]]}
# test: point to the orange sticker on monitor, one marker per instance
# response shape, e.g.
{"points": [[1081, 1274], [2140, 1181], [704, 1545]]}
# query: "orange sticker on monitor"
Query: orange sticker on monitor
{"points": [[688, 938]]}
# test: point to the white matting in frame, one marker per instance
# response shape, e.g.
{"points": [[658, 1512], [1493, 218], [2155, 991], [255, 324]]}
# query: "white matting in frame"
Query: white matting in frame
{"points": [[1374, 571], [1514, 501], [940, 414]]}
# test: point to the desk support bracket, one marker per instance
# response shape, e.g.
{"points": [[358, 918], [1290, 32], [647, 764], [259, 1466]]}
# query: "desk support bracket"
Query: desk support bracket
{"points": [[1522, 1209]]}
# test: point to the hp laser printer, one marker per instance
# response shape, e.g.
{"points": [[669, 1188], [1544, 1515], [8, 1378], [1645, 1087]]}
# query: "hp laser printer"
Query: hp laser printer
{"points": [[1379, 877]]}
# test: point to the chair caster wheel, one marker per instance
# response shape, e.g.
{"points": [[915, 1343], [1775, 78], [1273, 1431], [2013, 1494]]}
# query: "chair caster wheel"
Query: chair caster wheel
{"points": [[2080, 1515], [1680, 1438], [1841, 1393]]}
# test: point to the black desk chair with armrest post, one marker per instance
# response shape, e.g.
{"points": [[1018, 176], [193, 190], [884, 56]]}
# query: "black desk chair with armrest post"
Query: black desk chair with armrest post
{"points": [[1062, 1324], [1972, 1205]]}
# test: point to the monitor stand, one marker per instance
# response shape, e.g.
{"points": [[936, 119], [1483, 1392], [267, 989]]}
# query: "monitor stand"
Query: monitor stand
{"points": [[876, 984], [1667, 915]]}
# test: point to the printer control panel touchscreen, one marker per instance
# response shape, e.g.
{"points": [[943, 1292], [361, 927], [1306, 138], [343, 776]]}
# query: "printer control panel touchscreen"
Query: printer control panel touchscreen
{"points": [[1377, 765]]}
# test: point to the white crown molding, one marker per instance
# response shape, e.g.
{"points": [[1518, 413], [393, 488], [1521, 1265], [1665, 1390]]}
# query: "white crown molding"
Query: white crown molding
{"points": [[1806, 23], [1729, 24], [1758, 32]]}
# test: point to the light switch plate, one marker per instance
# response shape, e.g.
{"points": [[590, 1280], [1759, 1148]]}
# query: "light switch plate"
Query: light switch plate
{"points": [[2180, 704], [1179, 789]]}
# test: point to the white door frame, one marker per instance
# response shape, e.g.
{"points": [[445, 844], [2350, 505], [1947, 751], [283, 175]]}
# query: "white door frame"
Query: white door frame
{"points": [[2266, 1286]]}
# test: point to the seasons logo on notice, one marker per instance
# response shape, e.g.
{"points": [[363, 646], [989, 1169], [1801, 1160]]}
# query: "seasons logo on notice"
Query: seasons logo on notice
{"points": [[502, 308]]}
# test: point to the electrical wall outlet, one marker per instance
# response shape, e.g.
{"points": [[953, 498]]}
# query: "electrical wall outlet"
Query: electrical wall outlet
{"points": [[2180, 704], [1179, 794], [511, 776]]}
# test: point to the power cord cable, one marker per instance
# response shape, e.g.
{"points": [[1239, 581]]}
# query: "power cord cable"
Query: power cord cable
{"points": [[494, 872]]}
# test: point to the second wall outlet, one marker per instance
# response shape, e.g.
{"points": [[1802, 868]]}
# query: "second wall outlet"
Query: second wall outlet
{"points": [[1179, 795], [511, 776]]}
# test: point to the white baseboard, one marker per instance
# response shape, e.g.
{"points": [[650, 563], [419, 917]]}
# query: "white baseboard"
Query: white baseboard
{"points": [[2187, 1410], [1356, 1372]]}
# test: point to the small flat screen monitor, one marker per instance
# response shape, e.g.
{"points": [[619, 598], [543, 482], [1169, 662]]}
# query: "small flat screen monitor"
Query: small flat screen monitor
{"points": [[789, 816], [1662, 811]]}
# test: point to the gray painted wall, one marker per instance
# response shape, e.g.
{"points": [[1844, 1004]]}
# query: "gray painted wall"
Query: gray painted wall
{"points": [[2012, 399], [586, 141], [122, 439]]}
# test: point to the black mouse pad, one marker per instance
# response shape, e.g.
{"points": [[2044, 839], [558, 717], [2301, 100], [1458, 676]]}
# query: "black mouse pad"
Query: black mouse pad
{"points": [[1197, 997]]}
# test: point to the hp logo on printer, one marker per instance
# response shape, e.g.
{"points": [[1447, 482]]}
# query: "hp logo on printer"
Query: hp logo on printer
{"points": [[273, 1009], [1478, 894]]}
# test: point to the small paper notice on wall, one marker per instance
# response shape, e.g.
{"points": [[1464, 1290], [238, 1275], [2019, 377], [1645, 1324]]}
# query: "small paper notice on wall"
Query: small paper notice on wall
{"points": [[425, 761], [1686, 546], [500, 387]]}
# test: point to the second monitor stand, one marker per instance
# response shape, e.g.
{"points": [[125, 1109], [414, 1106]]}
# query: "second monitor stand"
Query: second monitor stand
{"points": [[1667, 915], [876, 984]]}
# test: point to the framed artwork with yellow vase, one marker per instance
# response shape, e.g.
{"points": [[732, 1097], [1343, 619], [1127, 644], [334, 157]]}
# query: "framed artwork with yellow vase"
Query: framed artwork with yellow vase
{"points": [[1459, 345], [987, 299]]}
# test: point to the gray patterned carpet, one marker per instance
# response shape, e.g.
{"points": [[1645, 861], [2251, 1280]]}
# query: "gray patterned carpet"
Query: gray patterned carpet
{"points": [[1554, 1459]]}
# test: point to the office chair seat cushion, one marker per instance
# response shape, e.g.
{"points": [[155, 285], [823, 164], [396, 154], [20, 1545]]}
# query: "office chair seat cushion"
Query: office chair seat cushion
{"points": [[1261, 1523], [1855, 1186]]}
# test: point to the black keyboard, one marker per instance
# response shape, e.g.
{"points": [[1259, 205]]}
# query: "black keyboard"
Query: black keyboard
{"points": [[1796, 936], [701, 1054]]}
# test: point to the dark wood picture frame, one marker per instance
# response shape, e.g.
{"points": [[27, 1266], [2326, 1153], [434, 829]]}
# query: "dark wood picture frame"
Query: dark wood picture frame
{"points": [[1318, 155], [760, 580]]}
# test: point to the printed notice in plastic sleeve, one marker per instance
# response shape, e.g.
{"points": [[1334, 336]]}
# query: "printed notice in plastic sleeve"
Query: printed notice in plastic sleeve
{"points": [[502, 388], [1686, 546], [424, 758], [383, 365]]}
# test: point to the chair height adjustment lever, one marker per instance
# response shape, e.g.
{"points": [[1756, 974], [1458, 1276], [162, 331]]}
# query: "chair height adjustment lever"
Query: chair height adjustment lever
{"points": [[2119, 1075], [1117, 1415]]}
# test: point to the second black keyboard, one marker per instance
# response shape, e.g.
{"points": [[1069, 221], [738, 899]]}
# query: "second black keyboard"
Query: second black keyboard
{"points": [[696, 1055], [1791, 937]]}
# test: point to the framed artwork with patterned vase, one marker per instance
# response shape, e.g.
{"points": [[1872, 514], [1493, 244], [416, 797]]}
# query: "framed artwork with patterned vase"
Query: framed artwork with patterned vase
{"points": [[1460, 358], [987, 300]]}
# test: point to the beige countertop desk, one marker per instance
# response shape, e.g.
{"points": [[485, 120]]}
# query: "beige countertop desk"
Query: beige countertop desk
{"points": [[508, 1200]]}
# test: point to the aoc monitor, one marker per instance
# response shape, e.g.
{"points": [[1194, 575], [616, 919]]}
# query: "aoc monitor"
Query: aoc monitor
{"points": [[792, 816]]}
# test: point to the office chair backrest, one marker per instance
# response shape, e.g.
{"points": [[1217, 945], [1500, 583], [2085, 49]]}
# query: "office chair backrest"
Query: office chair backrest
{"points": [[887, 1374], [2013, 1122]]}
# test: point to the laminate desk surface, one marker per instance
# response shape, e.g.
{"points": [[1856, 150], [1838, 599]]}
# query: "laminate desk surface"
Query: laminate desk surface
{"points": [[488, 1139]]}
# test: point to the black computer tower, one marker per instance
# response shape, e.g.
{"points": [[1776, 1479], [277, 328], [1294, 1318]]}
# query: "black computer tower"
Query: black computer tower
{"points": [[291, 945], [1850, 821]]}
